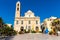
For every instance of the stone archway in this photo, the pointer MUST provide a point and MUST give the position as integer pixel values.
(22, 28)
(37, 29)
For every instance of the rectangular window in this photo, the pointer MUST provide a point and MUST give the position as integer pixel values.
(36, 22)
(16, 22)
(21, 22)
(29, 22)
(29, 27)
(26, 26)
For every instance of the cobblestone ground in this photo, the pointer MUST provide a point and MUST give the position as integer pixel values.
(34, 37)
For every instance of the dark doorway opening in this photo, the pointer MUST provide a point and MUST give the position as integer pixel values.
(37, 29)
(22, 28)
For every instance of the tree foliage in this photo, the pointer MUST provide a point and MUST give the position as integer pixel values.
(56, 23)
(5, 30)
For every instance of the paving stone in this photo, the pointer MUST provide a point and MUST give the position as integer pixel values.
(32, 36)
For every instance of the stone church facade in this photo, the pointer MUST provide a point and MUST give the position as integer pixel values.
(28, 22)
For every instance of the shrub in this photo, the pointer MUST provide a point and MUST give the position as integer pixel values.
(40, 31)
(50, 33)
(21, 32)
(7, 31)
(33, 31)
(27, 31)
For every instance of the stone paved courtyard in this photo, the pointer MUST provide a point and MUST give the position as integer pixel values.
(34, 37)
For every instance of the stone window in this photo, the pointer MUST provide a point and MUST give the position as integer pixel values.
(36, 22)
(26, 26)
(29, 27)
(16, 22)
(29, 15)
(29, 22)
(22, 22)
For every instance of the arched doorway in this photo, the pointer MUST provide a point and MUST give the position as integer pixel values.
(37, 29)
(22, 28)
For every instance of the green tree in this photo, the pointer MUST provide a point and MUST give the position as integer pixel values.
(5, 30)
(8, 31)
(56, 23)
(1, 22)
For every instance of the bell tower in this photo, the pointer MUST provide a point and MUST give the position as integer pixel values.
(17, 13)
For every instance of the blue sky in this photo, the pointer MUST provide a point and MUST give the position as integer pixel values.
(42, 8)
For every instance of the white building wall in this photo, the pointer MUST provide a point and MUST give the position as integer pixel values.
(29, 15)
